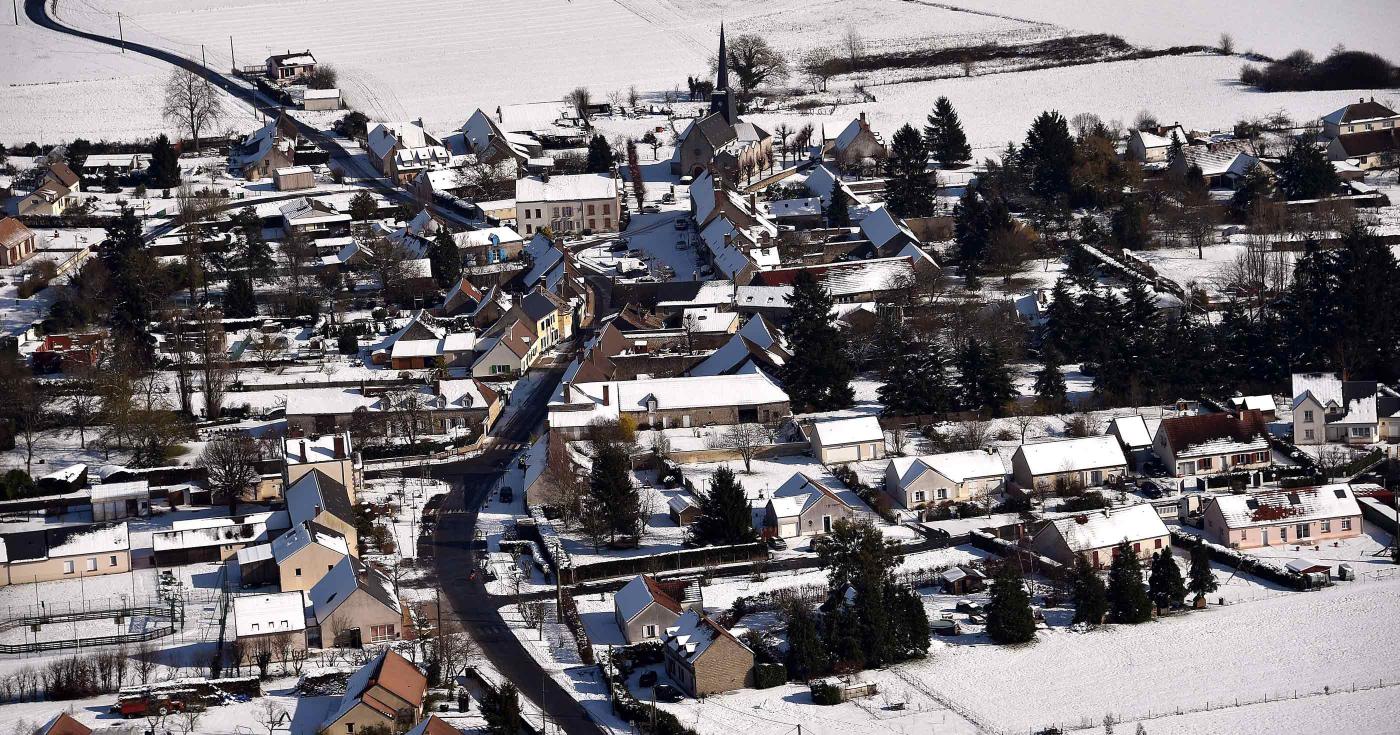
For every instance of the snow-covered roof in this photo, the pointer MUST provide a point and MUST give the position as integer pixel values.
(565, 188)
(836, 432)
(881, 227)
(93, 540)
(348, 575)
(1104, 528)
(956, 466)
(315, 492)
(305, 534)
(193, 533)
(799, 493)
(484, 237)
(1131, 431)
(805, 207)
(708, 319)
(763, 296)
(254, 554)
(329, 93)
(847, 135)
(1294, 505)
(315, 448)
(114, 491)
(584, 401)
(637, 595)
(702, 194)
(821, 182)
(754, 335)
(279, 612)
(1072, 455)
(694, 633)
(384, 136)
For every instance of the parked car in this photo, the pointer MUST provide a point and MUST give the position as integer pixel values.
(668, 198)
(667, 693)
(1149, 490)
(777, 543)
(507, 495)
(651, 209)
(969, 607)
(648, 679)
(142, 704)
(682, 223)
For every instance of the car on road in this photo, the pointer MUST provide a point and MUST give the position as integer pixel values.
(648, 679)
(682, 223)
(651, 209)
(667, 693)
(507, 495)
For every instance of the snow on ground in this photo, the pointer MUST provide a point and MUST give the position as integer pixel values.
(408, 495)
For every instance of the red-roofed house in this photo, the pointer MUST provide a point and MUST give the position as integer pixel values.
(63, 724)
(386, 691)
(646, 607)
(17, 242)
(1213, 443)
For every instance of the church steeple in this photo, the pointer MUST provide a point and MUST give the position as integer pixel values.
(722, 100)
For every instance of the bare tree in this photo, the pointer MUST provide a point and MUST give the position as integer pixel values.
(29, 412)
(854, 46)
(1226, 44)
(388, 260)
(818, 66)
(1025, 418)
(746, 440)
(231, 463)
(191, 103)
(187, 721)
(270, 715)
(580, 100)
(754, 62)
(781, 135)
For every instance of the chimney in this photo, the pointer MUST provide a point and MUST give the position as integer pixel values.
(303, 450)
(862, 117)
(753, 201)
(339, 446)
(1363, 99)
(728, 238)
(316, 511)
(607, 394)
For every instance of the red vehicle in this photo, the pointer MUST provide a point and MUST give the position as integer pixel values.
(140, 705)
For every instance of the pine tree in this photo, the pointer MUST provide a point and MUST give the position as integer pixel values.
(944, 135)
(911, 626)
(1129, 224)
(1305, 173)
(600, 156)
(969, 230)
(240, 302)
(445, 259)
(1256, 186)
(363, 207)
(807, 656)
(164, 170)
(1048, 154)
(1051, 395)
(910, 190)
(838, 213)
(1165, 585)
(931, 389)
(501, 710)
(255, 254)
(1202, 576)
(130, 284)
(984, 377)
(1128, 601)
(1009, 618)
(726, 517)
(611, 493)
(861, 562)
(1087, 590)
(634, 172)
(1063, 332)
(818, 377)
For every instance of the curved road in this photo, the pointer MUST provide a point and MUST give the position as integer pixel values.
(37, 11)
(474, 478)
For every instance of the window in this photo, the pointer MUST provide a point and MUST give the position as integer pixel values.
(1346, 524)
(607, 208)
(607, 223)
(1360, 431)
(1307, 417)
(529, 229)
(92, 564)
(1205, 464)
(1326, 527)
(919, 496)
(379, 633)
(1303, 530)
(349, 727)
(592, 224)
(590, 209)
(942, 493)
(1283, 534)
(1157, 544)
(1137, 548)
(1307, 433)
(649, 631)
(112, 560)
(298, 572)
(68, 567)
(256, 628)
(826, 524)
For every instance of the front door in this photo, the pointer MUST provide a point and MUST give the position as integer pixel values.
(1264, 535)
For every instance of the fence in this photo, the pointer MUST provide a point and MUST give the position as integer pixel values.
(672, 561)
(35, 618)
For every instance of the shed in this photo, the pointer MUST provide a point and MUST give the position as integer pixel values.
(321, 99)
(848, 440)
(116, 500)
(256, 566)
(683, 510)
(294, 178)
(961, 579)
(1309, 566)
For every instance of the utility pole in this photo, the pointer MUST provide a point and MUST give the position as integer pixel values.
(233, 60)
(120, 36)
(15, 4)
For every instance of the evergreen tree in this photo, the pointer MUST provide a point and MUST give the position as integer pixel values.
(909, 191)
(944, 135)
(1063, 332)
(1255, 187)
(1048, 155)
(1165, 585)
(838, 213)
(130, 271)
(861, 587)
(240, 302)
(1009, 618)
(445, 259)
(726, 517)
(612, 496)
(600, 156)
(1305, 173)
(1128, 600)
(818, 377)
(911, 622)
(501, 710)
(164, 170)
(1201, 577)
(931, 389)
(1129, 224)
(984, 377)
(807, 655)
(255, 254)
(970, 230)
(1051, 394)
(363, 207)
(1087, 590)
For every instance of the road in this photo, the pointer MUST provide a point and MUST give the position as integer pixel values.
(37, 11)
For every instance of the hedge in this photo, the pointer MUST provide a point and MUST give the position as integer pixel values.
(766, 676)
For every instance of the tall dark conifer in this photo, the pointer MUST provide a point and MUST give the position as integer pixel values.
(909, 191)
(818, 378)
(726, 516)
(1128, 601)
(1009, 618)
(944, 135)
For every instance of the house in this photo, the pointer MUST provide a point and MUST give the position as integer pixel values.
(314, 218)
(1055, 465)
(63, 724)
(320, 100)
(548, 317)
(803, 213)
(426, 342)
(568, 204)
(1287, 516)
(272, 623)
(1153, 145)
(50, 199)
(847, 440)
(645, 607)
(68, 552)
(489, 245)
(196, 540)
(17, 242)
(265, 150)
(505, 353)
(355, 605)
(290, 66)
(874, 279)
(386, 140)
(855, 147)
(756, 346)
(387, 692)
(822, 182)
(1096, 534)
(316, 496)
(1364, 133)
(330, 453)
(1264, 404)
(704, 658)
(1134, 437)
(64, 352)
(961, 580)
(803, 507)
(925, 481)
(682, 510)
(724, 400)
(293, 178)
(113, 501)
(305, 554)
(491, 145)
(1213, 444)
(1222, 168)
(118, 164)
(1329, 409)
(887, 233)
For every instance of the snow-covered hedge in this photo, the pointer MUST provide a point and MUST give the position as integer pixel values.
(1276, 573)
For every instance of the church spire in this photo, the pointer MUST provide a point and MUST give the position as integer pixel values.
(722, 79)
(722, 99)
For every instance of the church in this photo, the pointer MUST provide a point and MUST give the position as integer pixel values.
(720, 137)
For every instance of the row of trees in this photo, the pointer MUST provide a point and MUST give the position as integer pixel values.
(920, 378)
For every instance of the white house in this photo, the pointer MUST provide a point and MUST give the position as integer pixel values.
(1329, 409)
(804, 507)
(1086, 462)
(1094, 535)
(916, 482)
(847, 440)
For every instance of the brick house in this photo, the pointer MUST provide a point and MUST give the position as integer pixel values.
(1287, 516)
(704, 658)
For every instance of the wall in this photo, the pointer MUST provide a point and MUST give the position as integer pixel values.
(48, 570)
(314, 561)
(725, 666)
